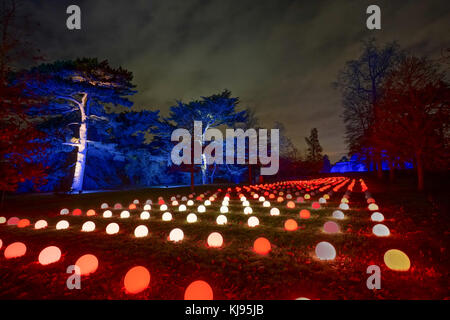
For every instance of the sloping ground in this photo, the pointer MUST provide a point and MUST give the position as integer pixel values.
(235, 271)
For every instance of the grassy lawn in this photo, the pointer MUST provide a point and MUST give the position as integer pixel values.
(235, 271)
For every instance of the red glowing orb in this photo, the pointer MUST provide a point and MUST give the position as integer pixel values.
(23, 223)
(305, 214)
(198, 290)
(290, 225)
(76, 212)
(88, 264)
(15, 250)
(262, 246)
(316, 205)
(136, 280)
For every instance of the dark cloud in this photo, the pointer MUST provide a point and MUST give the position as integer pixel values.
(279, 57)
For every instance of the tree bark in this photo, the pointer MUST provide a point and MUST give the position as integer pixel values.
(80, 165)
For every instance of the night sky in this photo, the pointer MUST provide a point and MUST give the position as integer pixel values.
(279, 57)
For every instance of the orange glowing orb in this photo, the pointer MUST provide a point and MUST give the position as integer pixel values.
(280, 199)
(90, 212)
(136, 280)
(198, 290)
(291, 204)
(132, 206)
(1, 243)
(397, 260)
(215, 240)
(305, 214)
(49, 255)
(88, 264)
(262, 246)
(290, 225)
(15, 250)
(23, 223)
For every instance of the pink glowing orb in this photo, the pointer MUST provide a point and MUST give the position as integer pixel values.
(330, 227)
(198, 290)
(325, 251)
(49, 255)
(15, 250)
(13, 221)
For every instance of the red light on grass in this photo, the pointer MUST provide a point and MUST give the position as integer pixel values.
(198, 290)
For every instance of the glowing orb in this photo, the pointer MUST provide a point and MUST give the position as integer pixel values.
(107, 214)
(377, 217)
(136, 280)
(304, 214)
(150, 202)
(255, 196)
(242, 198)
(325, 251)
(132, 206)
(280, 199)
(1, 243)
(23, 223)
(397, 260)
(190, 203)
(289, 196)
(13, 221)
(141, 231)
(49, 255)
(167, 216)
(104, 206)
(184, 198)
(61, 225)
(307, 197)
(215, 240)
(147, 207)
(201, 209)
(274, 212)
(88, 226)
(145, 215)
(90, 213)
(315, 205)
(117, 206)
(176, 235)
(290, 204)
(344, 206)
(380, 230)
(262, 246)
(337, 214)
(88, 264)
(125, 214)
(64, 211)
(174, 203)
(302, 298)
(326, 197)
(266, 204)
(163, 207)
(135, 201)
(15, 250)
(2, 220)
(373, 207)
(290, 225)
(223, 209)
(261, 199)
(221, 220)
(112, 228)
(191, 218)
(322, 200)
(248, 210)
(246, 203)
(330, 227)
(77, 212)
(253, 222)
(207, 203)
(198, 290)
(41, 224)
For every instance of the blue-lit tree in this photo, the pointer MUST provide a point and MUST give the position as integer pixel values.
(78, 92)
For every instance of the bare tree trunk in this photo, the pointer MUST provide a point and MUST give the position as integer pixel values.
(80, 165)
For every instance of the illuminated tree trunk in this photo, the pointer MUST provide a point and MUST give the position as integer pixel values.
(80, 165)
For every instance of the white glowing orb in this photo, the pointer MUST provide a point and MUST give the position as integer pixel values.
(215, 240)
(125, 214)
(135, 201)
(274, 212)
(322, 200)
(253, 222)
(2, 220)
(221, 220)
(289, 196)
(190, 203)
(64, 211)
(141, 231)
(163, 207)
(41, 224)
(337, 214)
(248, 210)
(112, 228)
(61, 225)
(107, 214)
(325, 251)
(246, 203)
(227, 198)
(145, 215)
(147, 207)
(150, 202)
(174, 203)
(88, 226)
(344, 206)
(380, 230)
(191, 218)
(104, 206)
(173, 198)
(373, 207)
(176, 235)
(377, 217)
(167, 216)
(225, 203)
(255, 196)
(261, 199)
(184, 198)
(266, 204)
(223, 209)
(243, 199)
(207, 203)
(201, 209)
(182, 208)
